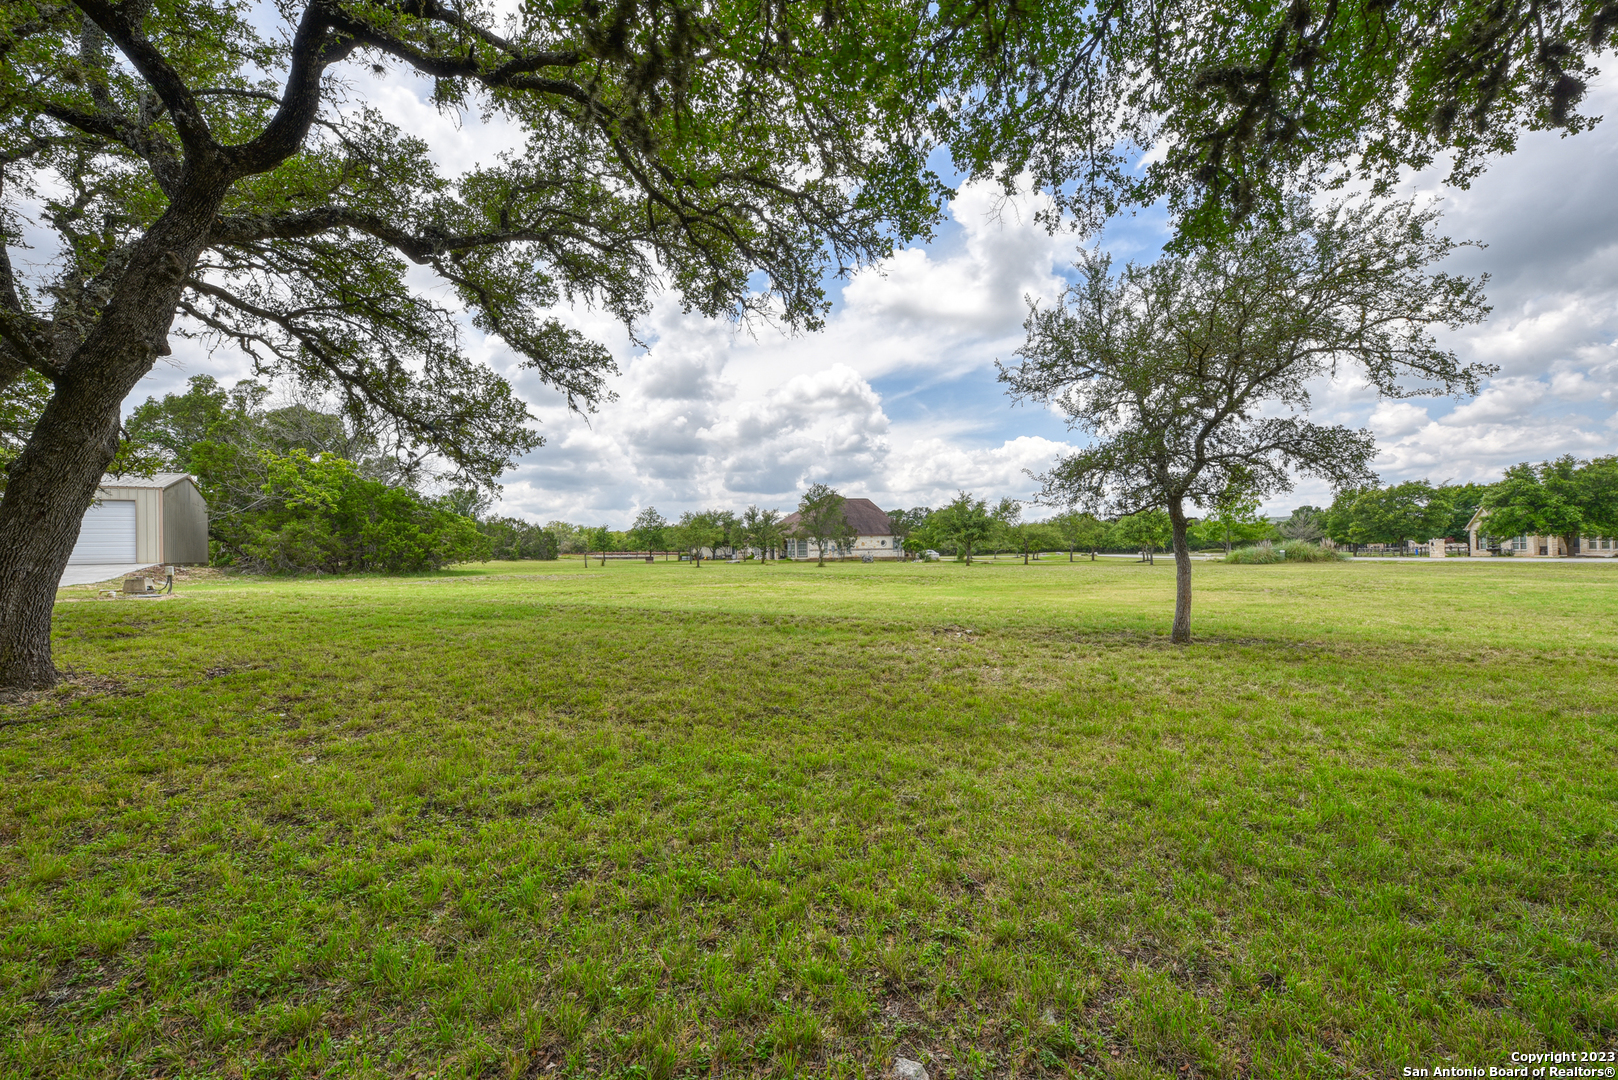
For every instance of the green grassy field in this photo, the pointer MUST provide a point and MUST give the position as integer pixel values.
(657, 821)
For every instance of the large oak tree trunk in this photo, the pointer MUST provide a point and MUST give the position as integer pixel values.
(54, 480)
(1181, 634)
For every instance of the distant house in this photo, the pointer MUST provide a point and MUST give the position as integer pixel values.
(873, 534)
(1532, 547)
(138, 521)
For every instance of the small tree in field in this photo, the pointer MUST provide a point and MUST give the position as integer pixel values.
(697, 531)
(730, 530)
(600, 539)
(1013, 529)
(648, 530)
(1145, 531)
(966, 523)
(1080, 532)
(821, 519)
(760, 529)
(1190, 373)
(769, 533)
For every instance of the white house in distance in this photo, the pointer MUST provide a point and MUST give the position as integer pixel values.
(136, 521)
(873, 534)
(1533, 547)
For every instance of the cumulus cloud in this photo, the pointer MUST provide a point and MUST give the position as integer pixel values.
(896, 399)
(711, 414)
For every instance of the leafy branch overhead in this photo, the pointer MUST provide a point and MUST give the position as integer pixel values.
(1220, 109)
(666, 145)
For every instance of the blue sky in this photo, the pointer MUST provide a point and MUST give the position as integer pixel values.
(896, 400)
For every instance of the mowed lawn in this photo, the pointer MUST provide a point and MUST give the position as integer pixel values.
(661, 821)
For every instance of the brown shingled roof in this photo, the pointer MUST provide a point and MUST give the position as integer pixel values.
(864, 516)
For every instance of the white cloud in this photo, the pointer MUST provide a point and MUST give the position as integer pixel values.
(1503, 400)
(895, 399)
(1391, 419)
(709, 415)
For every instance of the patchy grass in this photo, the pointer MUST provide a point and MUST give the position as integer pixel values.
(657, 821)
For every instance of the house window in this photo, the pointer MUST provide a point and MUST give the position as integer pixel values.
(882, 543)
(1520, 544)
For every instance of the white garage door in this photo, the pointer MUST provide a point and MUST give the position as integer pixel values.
(108, 534)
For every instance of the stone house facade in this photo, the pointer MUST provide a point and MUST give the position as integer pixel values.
(1533, 547)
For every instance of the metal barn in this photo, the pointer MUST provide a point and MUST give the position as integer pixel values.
(144, 522)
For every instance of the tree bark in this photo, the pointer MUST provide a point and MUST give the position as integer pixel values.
(53, 481)
(1181, 634)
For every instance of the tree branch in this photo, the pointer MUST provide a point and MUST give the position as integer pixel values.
(156, 151)
(121, 23)
(418, 249)
(313, 50)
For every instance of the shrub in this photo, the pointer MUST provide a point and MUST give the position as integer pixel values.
(1291, 551)
(320, 515)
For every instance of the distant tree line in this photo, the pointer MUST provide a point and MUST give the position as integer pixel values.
(295, 488)
(1566, 498)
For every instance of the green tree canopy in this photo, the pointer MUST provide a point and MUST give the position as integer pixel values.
(1220, 109)
(1191, 374)
(761, 529)
(1464, 500)
(322, 515)
(228, 437)
(1413, 510)
(512, 538)
(221, 171)
(649, 529)
(1305, 523)
(1233, 514)
(699, 531)
(904, 523)
(822, 521)
(965, 523)
(1565, 498)
(1080, 531)
(1145, 531)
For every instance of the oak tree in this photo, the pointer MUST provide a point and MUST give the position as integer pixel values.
(1220, 110)
(206, 176)
(965, 523)
(1192, 374)
(822, 520)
